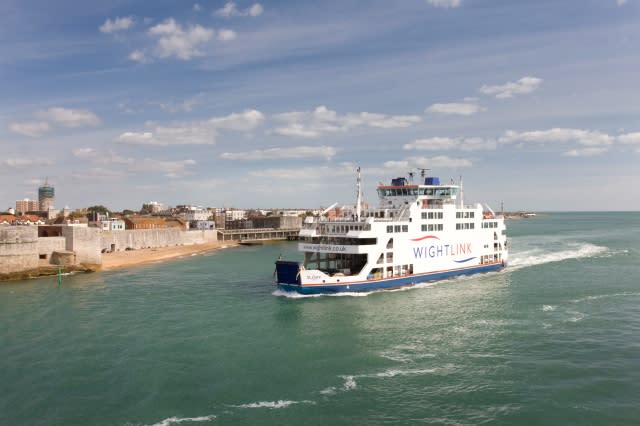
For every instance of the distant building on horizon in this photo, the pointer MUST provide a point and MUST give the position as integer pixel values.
(27, 205)
(46, 197)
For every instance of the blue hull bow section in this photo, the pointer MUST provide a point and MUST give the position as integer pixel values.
(288, 272)
(293, 283)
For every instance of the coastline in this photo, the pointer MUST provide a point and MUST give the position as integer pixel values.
(123, 259)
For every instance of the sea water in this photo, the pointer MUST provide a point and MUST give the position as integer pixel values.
(553, 339)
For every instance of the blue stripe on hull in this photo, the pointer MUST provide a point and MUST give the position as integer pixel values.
(386, 284)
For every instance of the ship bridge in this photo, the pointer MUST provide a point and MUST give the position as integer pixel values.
(432, 194)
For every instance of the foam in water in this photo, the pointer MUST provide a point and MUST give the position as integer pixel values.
(546, 308)
(604, 296)
(539, 256)
(272, 405)
(175, 420)
(410, 372)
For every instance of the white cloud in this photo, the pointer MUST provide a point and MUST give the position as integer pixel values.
(446, 143)
(323, 120)
(509, 89)
(582, 137)
(326, 152)
(445, 3)
(398, 165)
(188, 134)
(432, 144)
(230, 9)
(141, 138)
(182, 43)
(30, 128)
(117, 24)
(193, 133)
(630, 138)
(68, 117)
(19, 163)
(257, 9)
(243, 121)
(54, 117)
(226, 35)
(305, 173)
(84, 152)
(138, 56)
(184, 106)
(585, 152)
(468, 107)
(197, 7)
(132, 165)
(441, 161)
(169, 168)
(621, 2)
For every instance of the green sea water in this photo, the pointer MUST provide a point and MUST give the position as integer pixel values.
(553, 339)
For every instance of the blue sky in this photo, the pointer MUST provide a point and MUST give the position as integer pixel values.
(275, 103)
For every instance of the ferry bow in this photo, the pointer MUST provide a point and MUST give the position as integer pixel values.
(418, 233)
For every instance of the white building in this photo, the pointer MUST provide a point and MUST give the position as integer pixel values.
(235, 215)
(196, 214)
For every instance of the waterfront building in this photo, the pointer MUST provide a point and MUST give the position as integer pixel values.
(27, 205)
(231, 215)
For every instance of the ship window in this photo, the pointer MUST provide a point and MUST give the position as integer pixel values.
(424, 228)
(396, 228)
(429, 191)
(405, 228)
(471, 214)
(389, 228)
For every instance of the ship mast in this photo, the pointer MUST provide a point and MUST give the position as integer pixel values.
(359, 195)
(461, 194)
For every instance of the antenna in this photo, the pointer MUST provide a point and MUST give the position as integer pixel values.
(461, 194)
(359, 195)
(422, 171)
(411, 177)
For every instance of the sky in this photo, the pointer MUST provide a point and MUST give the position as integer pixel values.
(274, 104)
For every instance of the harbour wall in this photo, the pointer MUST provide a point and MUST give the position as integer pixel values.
(111, 241)
(18, 249)
(46, 246)
(23, 254)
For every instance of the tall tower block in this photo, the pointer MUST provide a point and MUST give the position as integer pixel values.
(46, 196)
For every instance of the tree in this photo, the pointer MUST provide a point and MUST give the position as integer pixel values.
(96, 209)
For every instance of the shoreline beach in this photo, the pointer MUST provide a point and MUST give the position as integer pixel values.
(123, 259)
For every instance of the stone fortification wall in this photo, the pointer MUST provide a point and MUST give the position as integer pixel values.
(145, 238)
(18, 248)
(85, 242)
(47, 245)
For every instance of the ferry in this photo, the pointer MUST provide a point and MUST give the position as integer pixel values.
(419, 232)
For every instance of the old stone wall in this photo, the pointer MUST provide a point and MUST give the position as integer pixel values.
(145, 238)
(47, 245)
(18, 248)
(85, 242)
